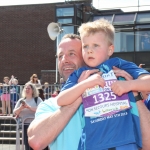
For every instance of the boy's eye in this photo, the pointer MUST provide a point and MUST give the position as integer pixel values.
(95, 45)
(85, 46)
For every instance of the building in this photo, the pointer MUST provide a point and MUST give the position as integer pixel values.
(26, 48)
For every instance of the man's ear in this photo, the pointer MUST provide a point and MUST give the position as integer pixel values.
(111, 50)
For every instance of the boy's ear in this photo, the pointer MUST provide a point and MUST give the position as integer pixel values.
(111, 50)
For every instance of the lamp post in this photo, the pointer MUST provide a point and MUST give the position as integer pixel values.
(54, 29)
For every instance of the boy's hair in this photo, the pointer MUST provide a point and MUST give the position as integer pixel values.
(100, 25)
(6, 78)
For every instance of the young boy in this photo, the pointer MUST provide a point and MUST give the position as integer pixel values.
(111, 122)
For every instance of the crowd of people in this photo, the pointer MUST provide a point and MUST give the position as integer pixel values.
(11, 91)
(104, 103)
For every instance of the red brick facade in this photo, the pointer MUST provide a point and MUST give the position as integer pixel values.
(25, 47)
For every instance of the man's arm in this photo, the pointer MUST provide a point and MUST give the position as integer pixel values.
(44, 131)
(144, 115)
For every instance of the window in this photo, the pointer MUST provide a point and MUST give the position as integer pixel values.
(66, 30)
(65, 20)
(142, 40)
(124, 42)
(124, 18)
(64, 12)
(143, 17)
(79, 14)
(109, 18)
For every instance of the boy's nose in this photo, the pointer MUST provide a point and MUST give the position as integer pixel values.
(90, 50)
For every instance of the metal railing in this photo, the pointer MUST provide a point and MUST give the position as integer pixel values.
(14, 93)
(9, 126)
(9, 133)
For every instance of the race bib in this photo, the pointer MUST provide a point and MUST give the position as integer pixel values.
(99, 101)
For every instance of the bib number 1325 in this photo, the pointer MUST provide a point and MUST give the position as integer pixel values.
(104, 96)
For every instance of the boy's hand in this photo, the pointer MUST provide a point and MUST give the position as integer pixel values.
(95, 79)
(85, 74)
(120, 87)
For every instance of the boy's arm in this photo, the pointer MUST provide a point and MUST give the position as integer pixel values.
(76, 91)
(140, 84)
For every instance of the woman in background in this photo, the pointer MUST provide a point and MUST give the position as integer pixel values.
(26, 107)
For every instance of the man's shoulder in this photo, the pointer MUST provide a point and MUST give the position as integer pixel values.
(49, 104)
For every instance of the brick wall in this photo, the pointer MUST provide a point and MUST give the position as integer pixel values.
(25, 47)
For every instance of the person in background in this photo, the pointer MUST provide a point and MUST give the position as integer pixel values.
(34, 80)
(14, 91)
(55, 93)
(26, 107)
(141, 65)
(5, 97)
(145, 42)
(47, 90)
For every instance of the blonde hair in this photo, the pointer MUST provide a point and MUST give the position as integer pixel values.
(6, 78)
(100, 25)
(34, 89)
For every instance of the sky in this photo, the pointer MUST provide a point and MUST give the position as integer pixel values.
(99, 4)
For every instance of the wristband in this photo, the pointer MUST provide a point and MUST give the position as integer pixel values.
(138, 97)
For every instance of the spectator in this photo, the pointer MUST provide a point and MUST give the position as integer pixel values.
(14, 90)
(5, 97)
(26, 107)
(34, 80)
(47, 90)
(141, 65)
(145, 41)
(55, 93)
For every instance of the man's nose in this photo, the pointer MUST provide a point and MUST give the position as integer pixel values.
(65, 59)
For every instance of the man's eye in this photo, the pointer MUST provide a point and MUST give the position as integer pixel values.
(60, 56)
(71, 54)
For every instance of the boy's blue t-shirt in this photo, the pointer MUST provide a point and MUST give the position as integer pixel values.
(113, 131)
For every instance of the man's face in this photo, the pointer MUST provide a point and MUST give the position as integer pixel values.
(69, 57)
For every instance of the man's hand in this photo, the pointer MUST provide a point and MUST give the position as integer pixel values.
(121, 73)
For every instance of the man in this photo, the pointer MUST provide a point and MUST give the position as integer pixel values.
(50, 119)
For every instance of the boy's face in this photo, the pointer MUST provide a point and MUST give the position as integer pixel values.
(95, 49)
(6, 80)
